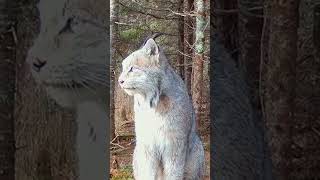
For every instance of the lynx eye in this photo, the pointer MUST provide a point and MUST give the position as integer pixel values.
(67, 27)
(131, 69)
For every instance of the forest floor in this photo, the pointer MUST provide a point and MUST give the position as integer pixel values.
(122, 150)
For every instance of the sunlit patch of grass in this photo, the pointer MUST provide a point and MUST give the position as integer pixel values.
(125, 173)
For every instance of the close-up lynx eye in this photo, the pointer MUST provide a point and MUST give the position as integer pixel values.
(131, 69)
(68, 26)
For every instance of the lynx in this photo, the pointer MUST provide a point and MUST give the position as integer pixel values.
(167, 144)
(239, 150)
(68, 58)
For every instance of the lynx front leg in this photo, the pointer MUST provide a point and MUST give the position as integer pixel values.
(92, 160)
(91, 143)
(174, 161)
(145, 164)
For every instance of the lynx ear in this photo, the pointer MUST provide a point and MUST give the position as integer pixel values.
(151, 48)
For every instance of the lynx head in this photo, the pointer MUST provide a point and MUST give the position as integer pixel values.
(69, 55)
(142, 72)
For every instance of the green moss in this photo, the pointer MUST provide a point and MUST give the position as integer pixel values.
(125, 173)
(131, 34)
(155, 25)
(124, 11)
(199, 48)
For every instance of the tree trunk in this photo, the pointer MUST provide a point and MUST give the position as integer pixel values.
(250, 27)
(197, 66)
(226, 24)
(7, 89)
(122, 103)
(114, 17)
(181, 41)
(306, 139)
(280, 84)
(188, 41)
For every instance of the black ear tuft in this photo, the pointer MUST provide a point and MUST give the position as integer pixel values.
(151, 48)
(154, 36)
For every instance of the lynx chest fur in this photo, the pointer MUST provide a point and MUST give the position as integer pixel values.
(156, 125)
(167, 145)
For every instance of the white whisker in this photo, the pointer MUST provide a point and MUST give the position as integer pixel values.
(93, 80)
(87, 86)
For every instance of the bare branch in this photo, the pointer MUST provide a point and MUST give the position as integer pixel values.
(235, 11)
(145, 13)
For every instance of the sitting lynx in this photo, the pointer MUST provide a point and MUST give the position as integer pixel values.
(69, 59)
(167, 145)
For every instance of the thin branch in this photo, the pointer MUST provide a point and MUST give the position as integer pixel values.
(14, 34)
(183, 14)
(262, 46)
(114, 139)
(116, 144)
(118, 150)
(150, 8)
(235, 11)
(316, 131)
(187, 55)
(145, 13)
(125, 24)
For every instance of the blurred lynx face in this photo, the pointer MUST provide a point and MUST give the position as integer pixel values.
(69, 55)
(142, 71)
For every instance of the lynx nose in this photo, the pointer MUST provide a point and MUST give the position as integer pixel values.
(38, 64)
